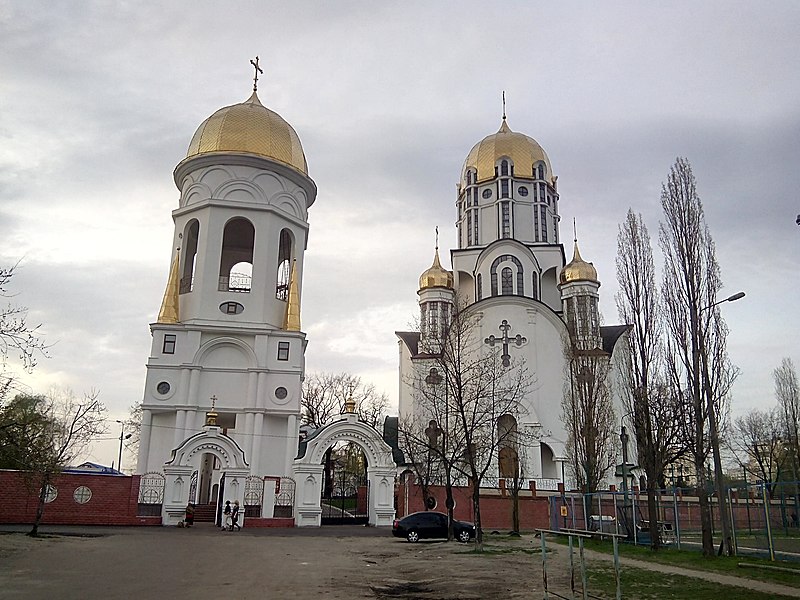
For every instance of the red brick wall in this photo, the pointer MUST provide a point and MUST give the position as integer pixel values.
(114, 501)
(496, 508)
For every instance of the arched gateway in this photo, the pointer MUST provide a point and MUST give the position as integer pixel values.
(308, 471)
(186, 460)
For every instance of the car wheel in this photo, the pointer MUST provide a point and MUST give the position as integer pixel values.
(412, 536)
(463, 536)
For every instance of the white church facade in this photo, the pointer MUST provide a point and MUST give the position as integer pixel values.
(511, 278)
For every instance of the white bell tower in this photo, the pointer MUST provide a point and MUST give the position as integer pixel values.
(229, 325)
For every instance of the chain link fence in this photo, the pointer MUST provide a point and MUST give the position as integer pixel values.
(764, 518)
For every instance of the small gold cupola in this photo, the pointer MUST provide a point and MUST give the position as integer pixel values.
(578, 269)
(436, 275)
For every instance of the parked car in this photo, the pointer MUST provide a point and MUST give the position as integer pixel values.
(427, 524)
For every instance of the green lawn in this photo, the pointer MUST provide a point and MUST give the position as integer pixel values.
(647, 585)
(691, 559)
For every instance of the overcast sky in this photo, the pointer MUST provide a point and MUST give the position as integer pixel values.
(99, 100)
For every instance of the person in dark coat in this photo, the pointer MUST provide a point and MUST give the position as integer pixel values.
(235, 516)
(226, 518)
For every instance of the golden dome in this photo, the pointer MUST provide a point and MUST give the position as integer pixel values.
(523, 151)
(436, 276)
(578, 269)
(252, 128)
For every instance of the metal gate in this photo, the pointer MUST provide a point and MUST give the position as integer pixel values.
(151, 494)
(348, 503)
(253, 496)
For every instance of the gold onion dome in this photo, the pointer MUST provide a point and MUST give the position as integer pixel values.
(523, 151)
(578, 269)
(436, 276)
(251, 128)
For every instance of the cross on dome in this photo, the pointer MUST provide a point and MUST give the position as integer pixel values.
(257, 71)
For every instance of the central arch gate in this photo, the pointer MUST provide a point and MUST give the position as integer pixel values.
(309, 473)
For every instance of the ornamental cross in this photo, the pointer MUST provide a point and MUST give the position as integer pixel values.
(213, 401)
(432, 432)
(517, 340)
(258, 70)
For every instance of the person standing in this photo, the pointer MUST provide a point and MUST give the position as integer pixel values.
(189, 514)
(226, 518)
(235, 516)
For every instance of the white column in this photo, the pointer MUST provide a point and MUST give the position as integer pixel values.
(194, 385)
(183, 396)
(252, 389)
(247, 441)
(145, 431)
(291, 443)
(261, 392)
(536, 462)
(190, 426)
(258, 432)
(180, 424)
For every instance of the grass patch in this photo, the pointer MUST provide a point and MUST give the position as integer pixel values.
(688, 559)
(647, 585)
(489, 550)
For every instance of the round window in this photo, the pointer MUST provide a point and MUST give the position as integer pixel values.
(231, 308)
(82, 494)
(50, 494)
(281, 393)
(523, 191)
(487, 193)
(163, 388)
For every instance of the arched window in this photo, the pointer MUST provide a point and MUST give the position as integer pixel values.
(507, 281)
(236, 261)
(479, 287)
(189, 247)
(507, 443)
(284, 266)
(504, 168)
(535, 290)
(540, 170)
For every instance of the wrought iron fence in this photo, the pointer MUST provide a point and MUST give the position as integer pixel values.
(151, 494)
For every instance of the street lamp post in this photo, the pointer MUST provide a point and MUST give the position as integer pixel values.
(122, 437)
(714, 435)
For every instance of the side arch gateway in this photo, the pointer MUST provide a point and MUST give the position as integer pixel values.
(185, 460)
(308, 471)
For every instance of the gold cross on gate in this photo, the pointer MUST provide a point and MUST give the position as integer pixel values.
(213, 401)
(258, 70)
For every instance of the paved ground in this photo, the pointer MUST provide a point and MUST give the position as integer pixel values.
(330, 562)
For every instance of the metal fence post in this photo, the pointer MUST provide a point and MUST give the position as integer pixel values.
(766, 515)
(677, 517)
(617, 575)
(733, 524)
(571, 569)
(584, 581)
(544, 566)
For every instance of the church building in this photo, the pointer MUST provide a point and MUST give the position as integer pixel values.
(221, 405)
(510, 275)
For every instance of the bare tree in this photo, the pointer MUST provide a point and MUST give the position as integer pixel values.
(479, 388)
(588, 415)
(654, 409)
(18, 338)
(133, 425)
(53, 430)
(697, 361)
(325, 394)
(757, 443)
(787, 392)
